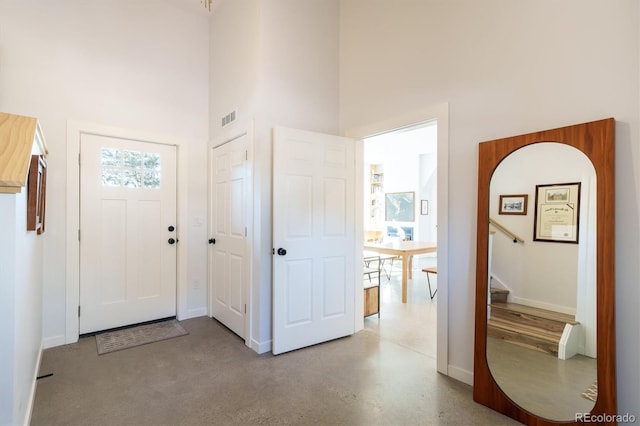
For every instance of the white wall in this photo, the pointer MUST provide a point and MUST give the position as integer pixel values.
(299, 64)
(275, 61)
(28, 312)
(505, 68)
(140, 65)
(20, 308)
(8, 308)
(234, 50)
(428, 191)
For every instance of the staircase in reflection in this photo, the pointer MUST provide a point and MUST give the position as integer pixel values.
(526, 326)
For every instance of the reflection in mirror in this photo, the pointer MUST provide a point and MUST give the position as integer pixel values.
(541, 314)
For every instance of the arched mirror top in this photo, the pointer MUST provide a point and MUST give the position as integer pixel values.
(595, 140)
(544, 155)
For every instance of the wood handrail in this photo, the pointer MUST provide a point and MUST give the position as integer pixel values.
(503, 229)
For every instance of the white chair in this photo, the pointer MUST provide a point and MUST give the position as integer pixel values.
(372, 266)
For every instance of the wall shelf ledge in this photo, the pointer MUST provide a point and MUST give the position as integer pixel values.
(18, 134)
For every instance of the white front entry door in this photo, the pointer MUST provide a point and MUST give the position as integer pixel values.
(313, 236)
(228, 259)
(127, 232)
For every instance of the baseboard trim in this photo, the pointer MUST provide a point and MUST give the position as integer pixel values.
(193, 313)
(460, 374)
(543, 305)
(260, 347)
(52, 342)
(32, 392)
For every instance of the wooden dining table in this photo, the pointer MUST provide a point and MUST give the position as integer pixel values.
(405, 250)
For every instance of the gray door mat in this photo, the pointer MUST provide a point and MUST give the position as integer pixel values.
(117, 340)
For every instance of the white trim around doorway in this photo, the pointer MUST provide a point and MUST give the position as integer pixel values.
(439, 113)
(75, 130)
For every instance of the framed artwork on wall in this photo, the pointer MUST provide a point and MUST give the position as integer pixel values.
(424, 207)
(36, 194)
(399, 206)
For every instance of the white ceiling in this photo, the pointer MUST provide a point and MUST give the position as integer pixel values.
(413, 141)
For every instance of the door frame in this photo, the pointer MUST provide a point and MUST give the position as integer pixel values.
(75, 130)
(440, 114)
(243, 130)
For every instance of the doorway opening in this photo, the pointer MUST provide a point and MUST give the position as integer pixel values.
(401, 207)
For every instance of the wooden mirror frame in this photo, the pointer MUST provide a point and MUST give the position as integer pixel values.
(596, 140)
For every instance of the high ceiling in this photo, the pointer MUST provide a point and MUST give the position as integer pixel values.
(406, 142)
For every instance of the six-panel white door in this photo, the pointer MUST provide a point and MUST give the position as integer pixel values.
(127, 206)
(313, 236)
(228, 274)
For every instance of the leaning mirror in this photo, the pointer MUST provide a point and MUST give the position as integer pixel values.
(545, 342)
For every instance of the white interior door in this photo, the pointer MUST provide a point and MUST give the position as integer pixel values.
(127, 232)
(228, 257)
(313, 236)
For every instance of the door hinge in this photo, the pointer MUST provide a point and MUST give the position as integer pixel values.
(246, 155)
(245, 308)
(245, 231)
(78, 159)
(78, 311)
(78, 235)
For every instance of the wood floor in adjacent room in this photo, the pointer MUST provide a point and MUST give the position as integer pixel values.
(382, 375)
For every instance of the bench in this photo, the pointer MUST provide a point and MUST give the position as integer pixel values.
(432, 270)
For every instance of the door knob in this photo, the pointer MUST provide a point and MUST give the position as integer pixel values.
(212, 240)
(171, 241)
(282, 251)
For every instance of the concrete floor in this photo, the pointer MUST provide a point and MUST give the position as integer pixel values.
(383, 375)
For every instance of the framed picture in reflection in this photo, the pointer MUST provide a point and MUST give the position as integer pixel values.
(513, 204)
(557, 213)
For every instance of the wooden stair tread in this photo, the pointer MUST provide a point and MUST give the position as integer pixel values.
(524, 340)
(499, 295)
(526, 326)
(523, 329)
(536, 312)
